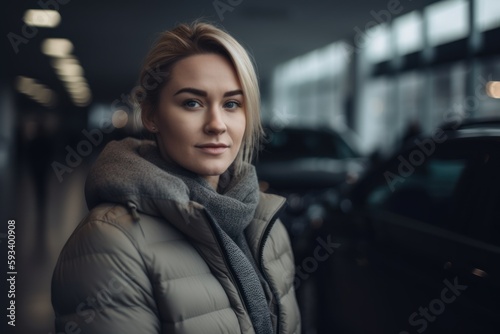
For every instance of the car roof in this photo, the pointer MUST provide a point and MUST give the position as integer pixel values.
(485, 127)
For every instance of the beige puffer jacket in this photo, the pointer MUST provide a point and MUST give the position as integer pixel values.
(127, 272)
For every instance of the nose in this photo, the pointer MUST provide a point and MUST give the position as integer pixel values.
(215, 122)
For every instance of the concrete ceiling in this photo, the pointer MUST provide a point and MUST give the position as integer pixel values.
(112, 37)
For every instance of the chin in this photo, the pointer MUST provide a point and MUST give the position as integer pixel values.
(211, 169)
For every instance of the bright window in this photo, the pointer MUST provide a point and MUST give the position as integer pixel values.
(408, 33)
(378, 43)
(310, 89)
(487, 14)
(447, 21)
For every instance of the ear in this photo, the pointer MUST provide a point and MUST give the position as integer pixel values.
(148, 119)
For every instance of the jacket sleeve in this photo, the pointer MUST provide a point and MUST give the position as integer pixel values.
(101, 285)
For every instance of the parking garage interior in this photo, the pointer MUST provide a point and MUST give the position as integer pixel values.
(362, 102)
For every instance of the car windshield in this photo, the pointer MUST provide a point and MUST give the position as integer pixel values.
(294, 144)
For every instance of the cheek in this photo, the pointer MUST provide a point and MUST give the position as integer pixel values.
(173, 135)
(239, 128)
(173, 126)
(177, 136)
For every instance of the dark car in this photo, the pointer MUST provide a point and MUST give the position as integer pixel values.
(294, 158)
(310, 167)
(419, 239)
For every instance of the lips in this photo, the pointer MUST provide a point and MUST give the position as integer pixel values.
(213, 148)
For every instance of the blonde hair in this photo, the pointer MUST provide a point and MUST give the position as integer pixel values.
(201, 38)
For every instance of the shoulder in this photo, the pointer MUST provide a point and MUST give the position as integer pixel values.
(106, 227)
(105, 241)
(111, 228)
(106, 245)
(102, 264)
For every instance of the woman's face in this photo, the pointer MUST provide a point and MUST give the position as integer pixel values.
(200, 119)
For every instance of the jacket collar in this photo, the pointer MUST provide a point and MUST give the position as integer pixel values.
(265, 215)
(123, 175)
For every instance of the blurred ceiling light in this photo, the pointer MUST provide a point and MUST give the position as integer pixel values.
(71, 73)
(67, 67)
(81, 103)
(43, 95)
(82, 96)
(36, 91)
(71, 78)
(79, 89)
(23, 84)
(70, 70)
(73, 86)
(63, 61)
(42, 18)
(493, 89)
(57, 47)
(479, 273)
(119, 119)
(79, 97)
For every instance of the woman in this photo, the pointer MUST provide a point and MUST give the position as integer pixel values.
(179, 239)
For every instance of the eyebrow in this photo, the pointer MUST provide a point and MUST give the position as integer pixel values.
(203, 93)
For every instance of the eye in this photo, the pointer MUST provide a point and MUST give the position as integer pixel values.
(232, 105)
(191, 104)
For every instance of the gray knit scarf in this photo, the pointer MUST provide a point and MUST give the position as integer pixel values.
(230, 209)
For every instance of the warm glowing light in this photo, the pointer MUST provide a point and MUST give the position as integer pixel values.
(119, 119)
(76, 86)
(71, 78)
(479, 273)
(57, 47)
(81, 102)
(61, 62)
(67, 67)
(42, 18)
(23, 84)
(263, 186)
(71, 70)
(43, 95)
(81, 95)
(36, 91)
(493, 89)
(71, 73)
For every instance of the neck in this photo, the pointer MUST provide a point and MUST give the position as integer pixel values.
(213, 180)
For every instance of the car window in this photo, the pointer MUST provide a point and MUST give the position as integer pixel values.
(344, 151)
(425, 195)
(287, 145)
(457, 188)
